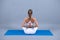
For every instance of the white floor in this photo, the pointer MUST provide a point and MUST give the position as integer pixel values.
(55, 29)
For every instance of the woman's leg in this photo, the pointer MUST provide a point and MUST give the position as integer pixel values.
(26, 30)
(33, 30)
(30, 30)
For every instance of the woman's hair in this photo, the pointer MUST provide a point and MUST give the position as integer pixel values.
(30, 10)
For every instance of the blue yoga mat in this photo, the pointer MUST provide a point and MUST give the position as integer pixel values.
(21, 32)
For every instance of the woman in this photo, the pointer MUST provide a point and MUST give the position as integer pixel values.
(30, 24)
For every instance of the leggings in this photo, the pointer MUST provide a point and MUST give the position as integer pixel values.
(30, 30)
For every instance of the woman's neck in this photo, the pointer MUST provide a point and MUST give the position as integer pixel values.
(29, 18)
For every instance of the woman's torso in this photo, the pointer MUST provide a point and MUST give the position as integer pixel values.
(30, 22)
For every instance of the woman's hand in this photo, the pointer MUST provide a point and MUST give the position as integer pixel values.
(29, 26)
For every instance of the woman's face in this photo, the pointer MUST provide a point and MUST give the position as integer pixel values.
(30, 14)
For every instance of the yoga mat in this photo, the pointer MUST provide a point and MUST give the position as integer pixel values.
(21, 32)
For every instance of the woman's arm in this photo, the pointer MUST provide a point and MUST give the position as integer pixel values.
(23, 22)
(36, 22)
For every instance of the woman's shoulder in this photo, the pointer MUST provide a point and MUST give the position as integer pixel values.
(34, 18)
(25, 18)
